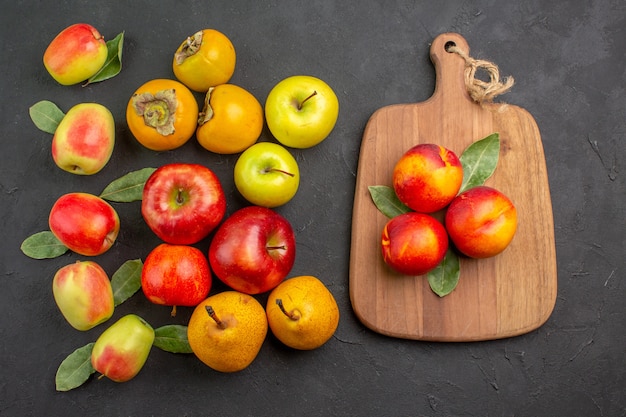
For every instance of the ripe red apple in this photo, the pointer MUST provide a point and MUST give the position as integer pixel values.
(176, 275)
(481, 222)
(84, 140)
(253, 250)
(75, 54)
(183, 203)
(427, 177)
(414, 243)
(82, 291)
(85, 223)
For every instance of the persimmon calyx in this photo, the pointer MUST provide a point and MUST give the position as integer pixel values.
(191, 45)
(207, 111)
(158, 110)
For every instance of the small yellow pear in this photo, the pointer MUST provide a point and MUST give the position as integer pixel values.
(302, 313)
(226, 331)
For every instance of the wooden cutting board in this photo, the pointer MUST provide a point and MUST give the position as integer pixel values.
(507, 295)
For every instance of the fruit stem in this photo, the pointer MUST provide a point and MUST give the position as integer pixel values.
(212, 314)
(281, 171)
(305, 100)
(173, 313)
(292, 316)
(282, 247)
(179, 197)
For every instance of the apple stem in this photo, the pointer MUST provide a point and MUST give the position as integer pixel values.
(282, 247)
(305, 100)
(179, 197)
(173, 313)
(279, 302)
(281, 171)
(212, 314)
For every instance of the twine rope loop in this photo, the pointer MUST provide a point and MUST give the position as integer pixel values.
(481, 91)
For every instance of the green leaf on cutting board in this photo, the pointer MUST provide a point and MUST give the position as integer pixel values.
(479, 161)
(445, 277)
(126, 281)
(172, 338)
(113, 64)
(43, 245)
(387, 201)
(75, 369)
(46, 115)
(127, 188)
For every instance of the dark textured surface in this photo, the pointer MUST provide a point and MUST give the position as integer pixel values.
(568, 62)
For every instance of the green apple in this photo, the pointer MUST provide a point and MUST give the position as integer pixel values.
(267, 175)
(301, 111)
(121, 350)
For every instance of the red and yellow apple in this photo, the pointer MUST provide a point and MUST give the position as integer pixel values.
(82, 291)
(253, 250)
(481, 222)
(85, 223)
(176, 275)
(182, 203)
(301, 111)
(75, 54)
(121, 351)
(414, 243)
(84, 139)
(427, 177)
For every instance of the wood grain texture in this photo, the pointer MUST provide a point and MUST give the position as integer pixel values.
(507, 295)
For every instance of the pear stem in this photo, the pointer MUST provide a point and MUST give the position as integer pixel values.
(212, 314)
(279, 302)
(305, 100)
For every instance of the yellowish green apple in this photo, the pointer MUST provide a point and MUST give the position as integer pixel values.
(301, 111)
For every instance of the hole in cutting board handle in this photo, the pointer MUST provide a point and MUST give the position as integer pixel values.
(449, 45)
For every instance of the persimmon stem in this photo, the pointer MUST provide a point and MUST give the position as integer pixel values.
(217, 320)
(279, 302)
(305, 100)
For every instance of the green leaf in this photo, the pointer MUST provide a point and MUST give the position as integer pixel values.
(113, 63)
(479, 161)
(43, 245)
(46, 116)
(172, 338)
(76, 369)
(127, 188)
(387, 201)
(444, 278)
(126, 281)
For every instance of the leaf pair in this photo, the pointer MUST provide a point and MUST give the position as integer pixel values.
(479, 162)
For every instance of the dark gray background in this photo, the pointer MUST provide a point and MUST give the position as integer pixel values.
(568, 61)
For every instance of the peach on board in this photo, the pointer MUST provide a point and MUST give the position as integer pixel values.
(481, 222)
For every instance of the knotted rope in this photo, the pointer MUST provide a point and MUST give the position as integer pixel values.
(480, 91)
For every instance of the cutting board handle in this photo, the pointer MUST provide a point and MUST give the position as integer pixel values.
(449, 68)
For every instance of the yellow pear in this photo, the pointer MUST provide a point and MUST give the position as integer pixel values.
(226, 330)
(302, 313)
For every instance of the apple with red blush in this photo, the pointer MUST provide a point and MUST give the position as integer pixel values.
(84, 139)
(75, 54)
(176, 275)
(253, 250)
(85, 223)
(182, 203)
(82, 291)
